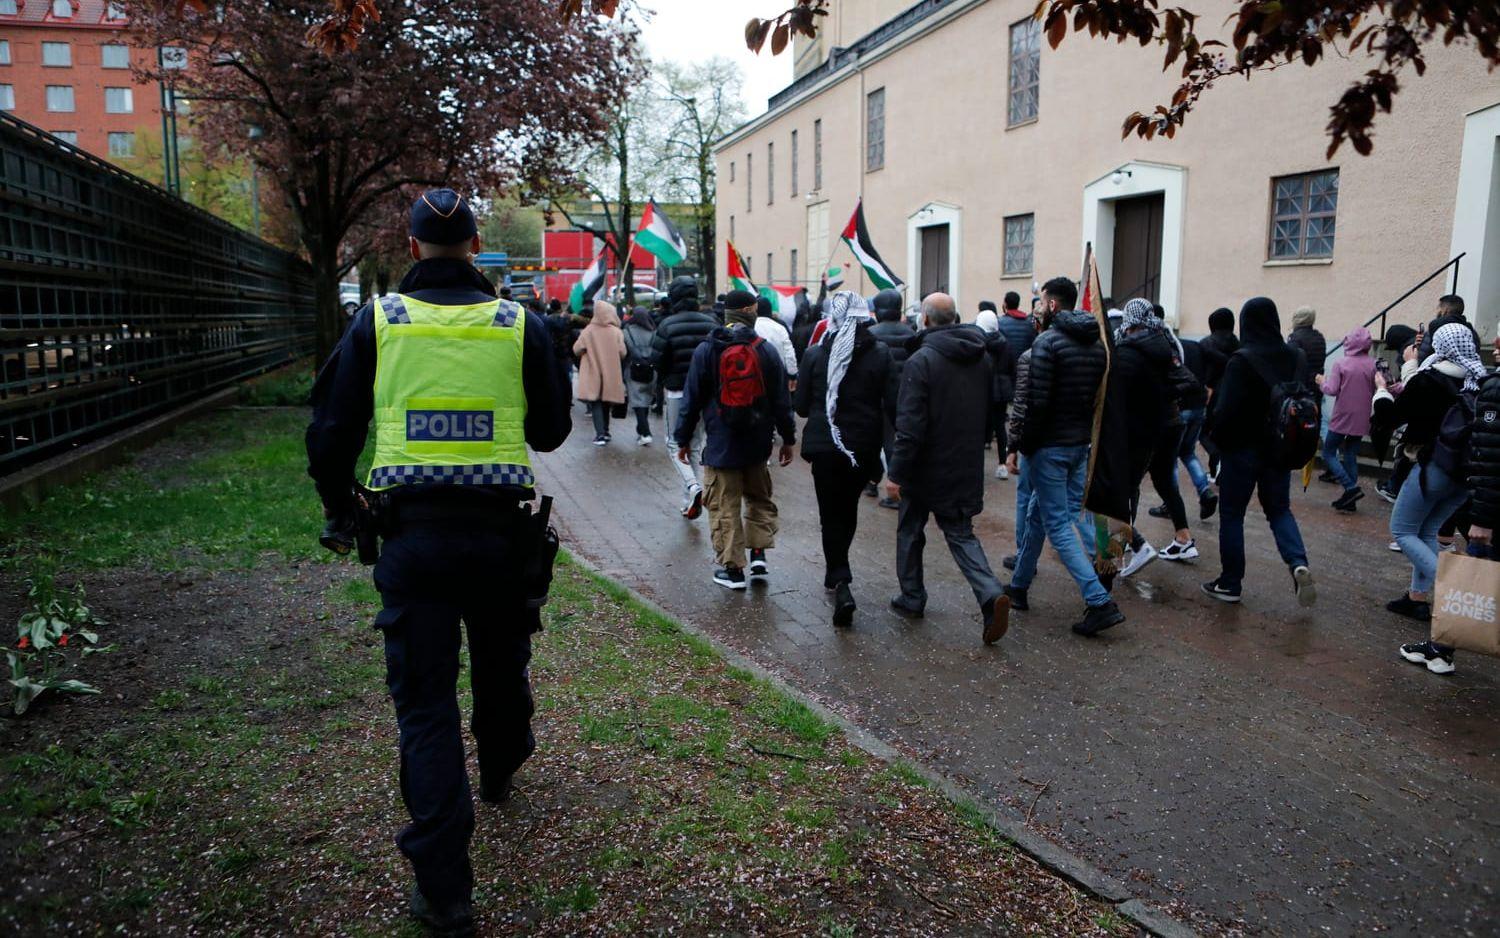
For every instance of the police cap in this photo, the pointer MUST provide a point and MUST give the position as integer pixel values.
(442, 216)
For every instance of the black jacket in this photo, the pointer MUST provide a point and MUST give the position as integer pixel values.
(1003, 363)
(1018, 331)
(1313, 346)
(1152, 385)
(942, 420)
(1223, 343)
(1484, 456)
(1423, 402)
(897, 337)
(1067, 365)
(1205, 362)
(1438, 323)
(867, 399)
(724, 446)
(677, 335)
(344, 394)
(1016, 418)
(1241, 417)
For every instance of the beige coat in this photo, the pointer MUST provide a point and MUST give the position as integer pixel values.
(600, 349)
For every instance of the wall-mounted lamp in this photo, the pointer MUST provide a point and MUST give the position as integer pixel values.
(1119, 176)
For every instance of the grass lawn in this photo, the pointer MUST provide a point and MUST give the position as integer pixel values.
(237, 773)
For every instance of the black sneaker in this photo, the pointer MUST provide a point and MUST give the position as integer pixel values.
(1410, 608)
(1099, 618)
(1208, 503)
(900, 608)
(1017, 596)
(1160, 511)
(996, 615)
(843, 606)
(600, 441)
(1010, 561)
(1346, 502)
(1327, 476)
(1221, 593)
(449, 920)
(758, 566)
(498, 793)
(871, 490)
(1386, 492)
(888, 502)
(730, 577)
(1437, 658)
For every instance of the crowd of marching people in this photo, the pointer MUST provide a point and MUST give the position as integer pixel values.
(1082, 410)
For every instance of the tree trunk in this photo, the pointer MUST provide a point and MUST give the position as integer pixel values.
(330, 314)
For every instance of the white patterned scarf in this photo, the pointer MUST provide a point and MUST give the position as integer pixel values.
(1455, 343)
(846, 310)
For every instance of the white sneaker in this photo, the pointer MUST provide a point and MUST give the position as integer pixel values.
(644, 440)
(1449, 548)
(1393, 547)
(1302, 584)
(1180, 551)
(1138, 559)
(1001, 472)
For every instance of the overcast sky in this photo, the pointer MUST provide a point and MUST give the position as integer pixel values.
(693, 30)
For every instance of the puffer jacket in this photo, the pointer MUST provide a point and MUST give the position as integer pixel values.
(1003, 362)
(867, 399)
(677, 335)
(1018, 331)
(942, 421)
(1484, 456)
(1153, 386)
(1312, 344)
(1067, 365)
(897, 337)
(1016, 419)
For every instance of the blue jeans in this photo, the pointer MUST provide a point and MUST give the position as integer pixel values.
(1427, 499)
(1056, 514)
(1187, 450)
(1023, 501)
(1341, 456)
(1241, 473)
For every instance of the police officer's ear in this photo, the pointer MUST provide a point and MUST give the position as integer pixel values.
(474, 244)
(416, 248)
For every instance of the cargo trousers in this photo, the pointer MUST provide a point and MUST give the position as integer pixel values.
(741, 514)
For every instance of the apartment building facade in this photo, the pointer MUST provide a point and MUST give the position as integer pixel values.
(987, 160)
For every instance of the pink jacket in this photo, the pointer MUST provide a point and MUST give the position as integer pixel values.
(1351, 384)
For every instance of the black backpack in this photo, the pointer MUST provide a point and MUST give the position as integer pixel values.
(1451, 448)
(1295, 418)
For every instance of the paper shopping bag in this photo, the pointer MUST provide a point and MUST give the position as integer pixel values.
(1464, 604)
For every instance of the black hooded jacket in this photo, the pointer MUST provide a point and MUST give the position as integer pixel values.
(678, 333)
(867, 399)
(1067, 365)
(1484, 456)
(1241, 407)
(1153, 385)
(942, 420)
(1221, 339)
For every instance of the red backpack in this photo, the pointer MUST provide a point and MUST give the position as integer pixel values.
(742, 388)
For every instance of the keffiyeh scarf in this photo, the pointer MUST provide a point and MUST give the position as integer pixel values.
(1455, 343)
(846, 310)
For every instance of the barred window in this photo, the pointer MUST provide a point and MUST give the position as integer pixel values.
(1303, 208)
(1025, 71)
(875, 130)
(1020, 233)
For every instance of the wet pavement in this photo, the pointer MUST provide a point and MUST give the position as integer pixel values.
(1262, 766)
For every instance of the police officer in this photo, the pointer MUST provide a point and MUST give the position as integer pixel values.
(459, 383)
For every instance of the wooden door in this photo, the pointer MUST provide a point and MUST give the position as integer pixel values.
(934, 278)
(1137, 260)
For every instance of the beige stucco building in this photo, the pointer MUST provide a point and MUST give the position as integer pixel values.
(986, 161)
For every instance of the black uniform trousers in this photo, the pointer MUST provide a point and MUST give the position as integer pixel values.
(839, 484)
(431, 575)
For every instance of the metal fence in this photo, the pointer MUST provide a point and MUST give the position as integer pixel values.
(118, 300)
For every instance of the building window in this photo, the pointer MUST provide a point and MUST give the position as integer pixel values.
(119, 101)
(114, 56)
(875, 130)
(770, 174)
(796, 272)
(4, 51)
(1025, 70)
(115, 12)
(8, 8)
(749, 183)
(62, 9)
(121, 144)
(60, 99)
(1020, 233)
(1302, 214)
(7, 97)
(57, 54)
(817, 156)
(769, 259)
(66, 136)
(731, 227)
(794, 163)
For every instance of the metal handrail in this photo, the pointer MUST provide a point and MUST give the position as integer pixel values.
(1400, 299)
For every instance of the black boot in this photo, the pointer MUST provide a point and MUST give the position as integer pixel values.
(494, 792)
(451, 919)
(843, 606)
(1099, 618)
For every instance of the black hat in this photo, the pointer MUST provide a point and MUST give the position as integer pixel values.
(739, 299)
(442, 216)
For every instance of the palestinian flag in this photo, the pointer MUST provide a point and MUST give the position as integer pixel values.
(738, 278)
(1109, 484)
(589, 284)
(660, 237)
(783, 302)
(834, 278)
(857, 236)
